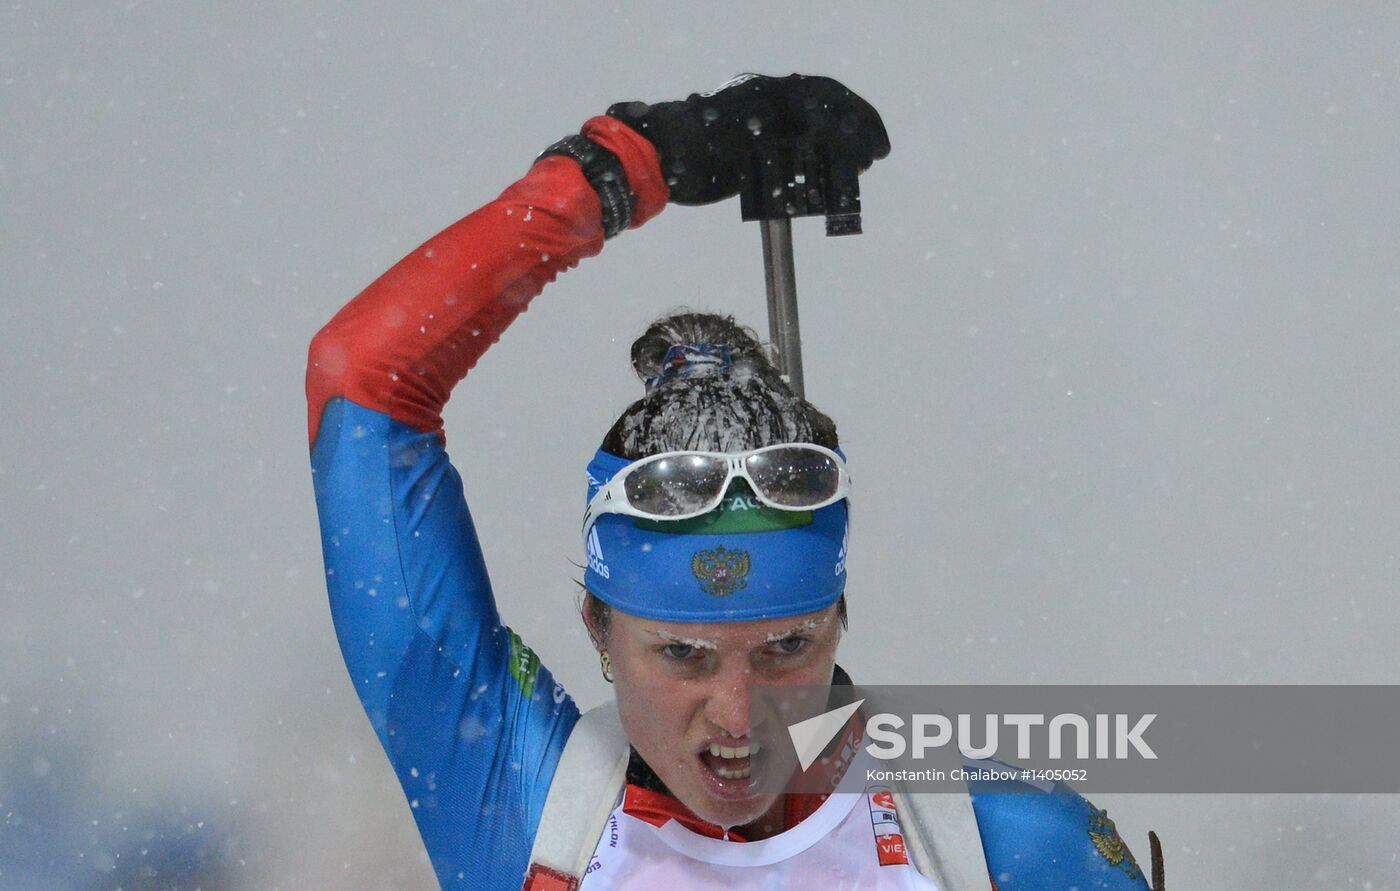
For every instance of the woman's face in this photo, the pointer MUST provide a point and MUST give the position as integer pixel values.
(683, 697)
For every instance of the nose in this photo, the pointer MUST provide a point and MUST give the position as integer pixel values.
(727, 701)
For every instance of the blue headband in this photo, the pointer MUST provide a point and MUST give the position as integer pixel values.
(740, 562)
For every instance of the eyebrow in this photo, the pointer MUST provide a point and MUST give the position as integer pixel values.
(698, 643)
(805, 626)
(703, 644)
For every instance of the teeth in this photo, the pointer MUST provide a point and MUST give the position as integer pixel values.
(727, 774)
(720, 751)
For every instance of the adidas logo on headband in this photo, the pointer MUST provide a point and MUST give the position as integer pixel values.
(595, 554)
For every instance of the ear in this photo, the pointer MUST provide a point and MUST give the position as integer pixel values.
(589, 611)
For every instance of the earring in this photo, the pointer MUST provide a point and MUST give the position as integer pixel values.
(606, 662)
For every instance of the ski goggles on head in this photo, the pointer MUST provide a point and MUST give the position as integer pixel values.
(681, 485)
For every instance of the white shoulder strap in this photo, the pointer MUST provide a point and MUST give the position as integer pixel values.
(587, 785)
(941, 834)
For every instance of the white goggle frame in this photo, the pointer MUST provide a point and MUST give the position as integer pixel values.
(611, 498)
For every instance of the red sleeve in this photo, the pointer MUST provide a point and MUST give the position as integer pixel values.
(406, 340)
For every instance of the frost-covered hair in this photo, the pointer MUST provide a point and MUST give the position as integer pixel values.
(749, 407)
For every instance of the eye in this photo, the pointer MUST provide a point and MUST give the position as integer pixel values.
(678, 651)
(791, 645)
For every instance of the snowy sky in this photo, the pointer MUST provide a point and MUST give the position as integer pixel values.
(1115, 365)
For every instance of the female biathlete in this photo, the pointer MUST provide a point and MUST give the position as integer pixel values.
(707, 571)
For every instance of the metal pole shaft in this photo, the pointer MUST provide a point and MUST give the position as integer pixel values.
(781, 278)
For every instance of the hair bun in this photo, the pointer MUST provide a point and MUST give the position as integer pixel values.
(735, 399)
(691, 344)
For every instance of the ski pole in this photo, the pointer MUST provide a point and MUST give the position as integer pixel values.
(790, 181)
(780, 275)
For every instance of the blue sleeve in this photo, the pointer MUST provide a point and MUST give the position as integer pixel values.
(1038, 840)
(471, 722)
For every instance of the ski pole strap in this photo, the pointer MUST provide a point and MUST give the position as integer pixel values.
(604, 173)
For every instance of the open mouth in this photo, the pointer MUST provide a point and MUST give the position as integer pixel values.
(729, 764)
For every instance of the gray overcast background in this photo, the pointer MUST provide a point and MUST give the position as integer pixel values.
(1115, 363)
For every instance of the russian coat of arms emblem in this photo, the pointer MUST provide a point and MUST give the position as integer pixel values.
(721, 571)
(1105, 837)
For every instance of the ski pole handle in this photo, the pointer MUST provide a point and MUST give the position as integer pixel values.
(790, 179)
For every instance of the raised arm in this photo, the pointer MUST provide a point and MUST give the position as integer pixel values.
(471, 722)
(406, 340)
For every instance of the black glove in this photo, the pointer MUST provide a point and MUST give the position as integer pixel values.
(705, 142)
